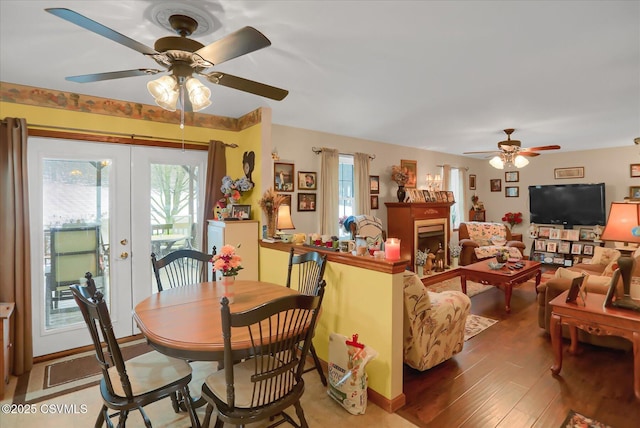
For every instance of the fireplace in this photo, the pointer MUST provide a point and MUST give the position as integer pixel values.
(431, 235)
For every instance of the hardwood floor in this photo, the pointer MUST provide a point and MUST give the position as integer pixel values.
(502, 377)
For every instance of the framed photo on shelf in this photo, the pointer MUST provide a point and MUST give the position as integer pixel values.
(558, 260)
(554, 234)
(283, 177)
(512, 176)
(572, 235)
(512, 191)
(450, 196)
(241, 212)
(564, 247)
(374, 202)
(552, 247)
(634, 192)
(307, 180)
(374, 184)
(540, 245)
(544, 231)
(587, 234)
(495, 184)
(576, 248)
(568, 262)
(411, 168)
(306, 201)
(472, 182)
(635, 169)
(572, 172)
(587, 249)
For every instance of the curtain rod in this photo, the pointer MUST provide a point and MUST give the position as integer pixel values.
(466, 168)
(318, 151)
(122, 134)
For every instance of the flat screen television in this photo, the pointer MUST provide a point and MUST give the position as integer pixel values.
(567, 204)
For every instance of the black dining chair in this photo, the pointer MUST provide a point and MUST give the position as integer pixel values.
(265, 384)
(132, 384)
(311, 268)
(181, 267)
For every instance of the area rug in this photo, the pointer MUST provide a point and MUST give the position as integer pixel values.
(576, 420)
(454, 284)
(476, 324)
(67, 374)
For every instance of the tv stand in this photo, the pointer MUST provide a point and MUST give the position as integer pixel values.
(563, 246)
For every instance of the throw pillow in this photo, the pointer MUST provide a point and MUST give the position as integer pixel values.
(604, 256)
(498, 240)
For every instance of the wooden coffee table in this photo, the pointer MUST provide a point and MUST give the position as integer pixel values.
(503, 278)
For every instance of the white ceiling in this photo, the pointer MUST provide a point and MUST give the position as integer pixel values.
(440, 75)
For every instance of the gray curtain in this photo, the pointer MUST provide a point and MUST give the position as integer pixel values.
(361, 184)
(15, 267)
(329, 165)
(216, 169)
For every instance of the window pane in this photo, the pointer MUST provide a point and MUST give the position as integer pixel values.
(345, 189)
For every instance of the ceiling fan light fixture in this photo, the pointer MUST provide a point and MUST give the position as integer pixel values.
(163, 87)
(170, 101)
(520, 161)
(497, 162)
(199, 94)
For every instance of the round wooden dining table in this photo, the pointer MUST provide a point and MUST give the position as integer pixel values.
(185, 322)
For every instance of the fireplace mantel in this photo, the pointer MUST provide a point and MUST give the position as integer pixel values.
(403, 217)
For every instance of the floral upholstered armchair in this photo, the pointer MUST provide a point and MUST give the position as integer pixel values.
(433, 324)
(480, 240)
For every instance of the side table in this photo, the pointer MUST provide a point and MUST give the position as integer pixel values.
(594, 319)
(6, 309)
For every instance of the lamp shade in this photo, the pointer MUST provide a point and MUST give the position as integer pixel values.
(199, 94)
(284, 218)
(496, 162)
(520, 161)
(622, 223)
(165, 92)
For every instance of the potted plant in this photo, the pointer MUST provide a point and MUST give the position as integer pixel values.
(421, 259)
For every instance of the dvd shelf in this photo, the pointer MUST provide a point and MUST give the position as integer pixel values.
(563, 247)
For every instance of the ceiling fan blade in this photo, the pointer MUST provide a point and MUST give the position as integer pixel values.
(552, 147)
(529, 154)
(247, 85)
(97, 77)
(91, 25)
(479, 153)
(236, 44)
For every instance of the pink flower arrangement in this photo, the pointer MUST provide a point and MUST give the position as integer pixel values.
(227, 261)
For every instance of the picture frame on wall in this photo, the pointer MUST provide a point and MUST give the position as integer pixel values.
(283, 176)
(472, 182)
(307, 180)
(634, 169)
(306, 201)
(512, 191)
(572, 172)
(374, 202)
(374, 184)
(495, 184)
(511, 176)
(410, 167)
(634, 193)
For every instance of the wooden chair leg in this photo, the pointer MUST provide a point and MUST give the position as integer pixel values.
(316, 361)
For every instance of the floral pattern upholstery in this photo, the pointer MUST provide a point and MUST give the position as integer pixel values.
(433, 324)
(482, 233)
(492, 250)
(481, 240)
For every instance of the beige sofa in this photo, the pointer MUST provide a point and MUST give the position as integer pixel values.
(433, 323)
(599, 273)
(480, 240)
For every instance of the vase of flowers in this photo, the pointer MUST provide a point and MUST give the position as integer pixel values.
(454, 253)
(400, 177)
(512, 219)
(229, 264)
(421, 259)
(233, 189)
(270, 203)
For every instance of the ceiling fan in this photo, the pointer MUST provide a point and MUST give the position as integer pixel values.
(182, 57)
(511, 153)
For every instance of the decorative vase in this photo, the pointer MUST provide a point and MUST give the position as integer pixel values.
(401, 193)
(501, 257)
(271, 225)
(454, 262)
(420, 270)
(226, 287)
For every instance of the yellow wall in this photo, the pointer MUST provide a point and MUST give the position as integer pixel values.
(360, 301)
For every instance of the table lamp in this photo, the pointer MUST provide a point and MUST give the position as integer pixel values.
(623, 227)
(284, 221)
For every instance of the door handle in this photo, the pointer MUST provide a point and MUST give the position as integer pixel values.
(124, 242)
(124, 255)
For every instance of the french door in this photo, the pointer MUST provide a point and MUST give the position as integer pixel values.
(92, 207)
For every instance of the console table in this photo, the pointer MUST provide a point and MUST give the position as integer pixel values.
(594, 319)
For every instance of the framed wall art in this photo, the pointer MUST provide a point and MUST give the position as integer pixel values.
(307, 180)
(512, 191)
(283, 177)
(472, 182)
(635, 169)
(306, 201)
(634, 192)
(374, 202)
(496, 184)
(410, 167)
(512, 176)
(374, 184)
(572, 172)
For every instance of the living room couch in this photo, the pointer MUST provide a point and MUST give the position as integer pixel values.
(480, 240)
(599, 274)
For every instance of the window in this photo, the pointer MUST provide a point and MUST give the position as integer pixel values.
(345, 189)
(456, 181)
